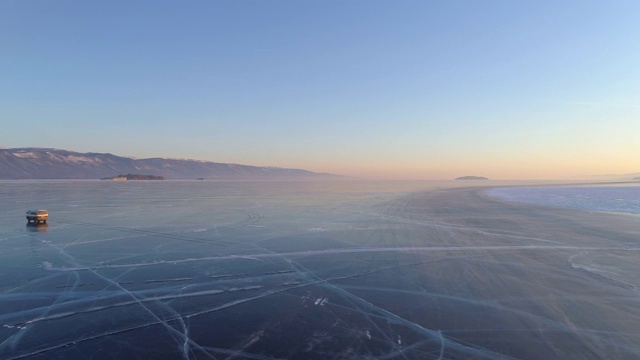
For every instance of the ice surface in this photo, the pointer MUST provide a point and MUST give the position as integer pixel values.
(623, 198)
(293, 270)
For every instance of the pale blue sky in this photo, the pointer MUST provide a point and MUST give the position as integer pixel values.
(394, 89)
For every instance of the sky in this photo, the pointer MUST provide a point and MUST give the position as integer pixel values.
(368, 88)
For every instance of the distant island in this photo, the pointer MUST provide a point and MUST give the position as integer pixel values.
(134, 177)
(636, 178)
(472, 178)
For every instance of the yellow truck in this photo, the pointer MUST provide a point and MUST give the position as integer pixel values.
(37, 216)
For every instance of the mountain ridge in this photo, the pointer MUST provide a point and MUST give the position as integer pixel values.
(50, 163)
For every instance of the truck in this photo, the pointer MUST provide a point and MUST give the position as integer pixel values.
(37, 216)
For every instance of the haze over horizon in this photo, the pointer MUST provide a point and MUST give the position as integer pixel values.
(415, 90)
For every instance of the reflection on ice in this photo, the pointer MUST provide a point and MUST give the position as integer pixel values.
(313, 271)
(37, 227)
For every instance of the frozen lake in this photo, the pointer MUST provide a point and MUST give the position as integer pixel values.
(624, 198)
(294, 270)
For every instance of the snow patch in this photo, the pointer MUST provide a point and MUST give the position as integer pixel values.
(78, 159)
(317, 229)
(321, 301)
(25, 155)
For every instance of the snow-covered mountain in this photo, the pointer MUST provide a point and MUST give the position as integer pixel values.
(43, 163)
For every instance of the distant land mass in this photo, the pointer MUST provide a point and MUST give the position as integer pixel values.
(471, 178)
(44, 163)
(134, 177)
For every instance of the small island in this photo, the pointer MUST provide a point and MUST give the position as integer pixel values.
(472, 178)
(134, 177)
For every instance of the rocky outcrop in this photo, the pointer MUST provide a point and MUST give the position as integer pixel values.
(135, 177)
(471, 178)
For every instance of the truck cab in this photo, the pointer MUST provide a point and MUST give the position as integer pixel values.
(37, 216)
